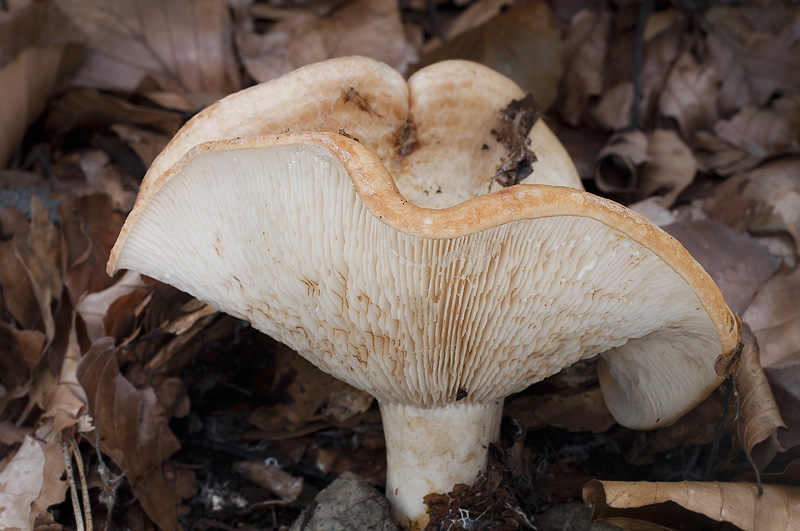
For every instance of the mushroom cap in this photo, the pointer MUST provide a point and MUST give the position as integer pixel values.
(434, 133)
(307, 236)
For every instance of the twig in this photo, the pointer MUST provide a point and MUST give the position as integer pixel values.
(645, 8)
(73, 489)
(433, 11)
(87, 508)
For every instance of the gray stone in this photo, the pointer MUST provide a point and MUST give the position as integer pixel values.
(347, 504)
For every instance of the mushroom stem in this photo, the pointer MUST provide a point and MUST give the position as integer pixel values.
(431, 450)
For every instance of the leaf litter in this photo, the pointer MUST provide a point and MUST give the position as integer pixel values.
(177, 417)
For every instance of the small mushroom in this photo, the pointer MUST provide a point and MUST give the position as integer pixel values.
(333, 247)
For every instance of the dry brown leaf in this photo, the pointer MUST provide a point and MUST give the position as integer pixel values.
(765, 200)
(21, 482)
(360, 27)
(103, 177)
(584, 56)
(474, 15)
(694, 505)
(523, 42)
(714, 154)
(737, 262)
(146, 144)
(774, 317)
(689, 95)
(760, 132)
(616, 169)
(755, 52)
(37, 44)
(65, 402)
(93, 307)
(270, 477)
(784, 379)
(670, 167)
(184, 45)
(613, 111)
(133, 428)
(759, 420)
(54, 488)
(310, 399)
(581, 411)
(18, 295)
(93, 110)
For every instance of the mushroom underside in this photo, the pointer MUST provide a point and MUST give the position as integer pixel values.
(279, 236)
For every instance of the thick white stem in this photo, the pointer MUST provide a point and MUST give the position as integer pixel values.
(430, 450)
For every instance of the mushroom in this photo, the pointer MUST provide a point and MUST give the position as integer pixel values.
(438, 304)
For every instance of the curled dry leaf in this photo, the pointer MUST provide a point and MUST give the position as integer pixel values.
(689, 95)
(21, 482)
(359, 27)
(755, 53)
(93, 307)
(184, 45)
(694, 505)
(37, 45)
(523, 42)
(133, 430)
(584, 55)
(738, 264)
(759, 420)
(717, 155)
(616, 169)
(765, 200)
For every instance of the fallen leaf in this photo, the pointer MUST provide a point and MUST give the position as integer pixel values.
(89, 109)
(693, 505)
(65, 402)
(669, 169)
(737, 263)
(573, 411)
(37, 45)
(721, 157)
(54, 488)
(184, 45)
(146, 144)
(774, 317)
(133, 429)
(584, 51)
(760, 132)
(359, 27)
(765, 200)
(689, 95)
(755, 52)
(784, 380)
(613, 111)
(757, 425)
(522, 42)
(21, 482)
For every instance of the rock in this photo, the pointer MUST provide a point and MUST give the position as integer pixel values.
(347, 504)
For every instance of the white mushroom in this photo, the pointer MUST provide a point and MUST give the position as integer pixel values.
(440, 313)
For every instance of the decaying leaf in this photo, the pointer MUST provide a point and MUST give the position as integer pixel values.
(21, 482)
(37, 45)
(522, 42)
(584, 55)
(669, 169)
(694, 505)
(184, 45)
(774, 317)
(738, 264)
(581, 411)
(359, 27)
(690, 95)
(760, 132)
(765, 200)
(758, 423)
(146, 144)
(312, 399)
(133, 429)
(755, 53)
